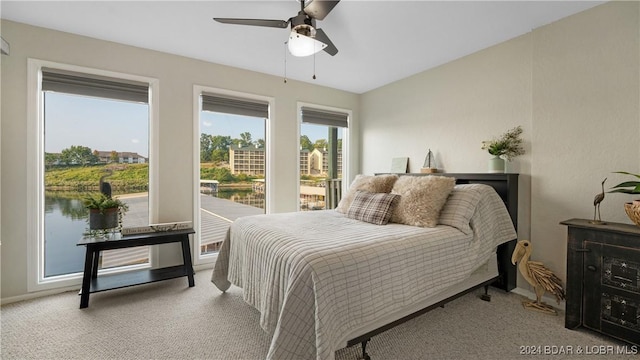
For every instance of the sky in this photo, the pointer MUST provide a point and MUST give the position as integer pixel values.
(232, 125)
(107, 125)
(99, 124)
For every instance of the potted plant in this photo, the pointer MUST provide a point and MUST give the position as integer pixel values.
(506, 147)
(629, 187)
(105, 212)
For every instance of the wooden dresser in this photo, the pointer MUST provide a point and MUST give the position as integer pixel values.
(603, 278)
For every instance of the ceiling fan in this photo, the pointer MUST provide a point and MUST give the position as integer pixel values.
(305, 39)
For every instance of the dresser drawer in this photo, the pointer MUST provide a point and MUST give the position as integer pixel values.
(603, 278)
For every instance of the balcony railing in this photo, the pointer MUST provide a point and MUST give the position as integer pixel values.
(333, 193)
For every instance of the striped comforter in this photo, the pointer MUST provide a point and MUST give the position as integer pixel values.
(317, 276)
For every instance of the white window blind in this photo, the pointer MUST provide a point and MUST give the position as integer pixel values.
(233, 105)
(324, 117)
(75, 83)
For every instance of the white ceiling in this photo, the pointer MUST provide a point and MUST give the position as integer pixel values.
(378, 41)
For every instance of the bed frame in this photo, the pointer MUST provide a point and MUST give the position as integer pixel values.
(506, 185)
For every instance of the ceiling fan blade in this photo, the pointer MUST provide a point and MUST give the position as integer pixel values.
(254, 22)
(322, 37)
(318, 9)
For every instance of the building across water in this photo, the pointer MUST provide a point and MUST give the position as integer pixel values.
(250, 160)
(123, 157)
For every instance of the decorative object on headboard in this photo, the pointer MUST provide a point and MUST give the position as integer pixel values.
(4, 46)
(506, 147)
(596, 206)
(429, 166)
(539, 276)
(399, 165)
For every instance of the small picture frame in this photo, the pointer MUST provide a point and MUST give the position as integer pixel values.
(400, 165)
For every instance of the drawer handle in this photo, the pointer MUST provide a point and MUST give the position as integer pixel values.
(591, 268)
(583, 250)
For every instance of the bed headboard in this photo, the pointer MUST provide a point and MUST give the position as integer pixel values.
(506, 185)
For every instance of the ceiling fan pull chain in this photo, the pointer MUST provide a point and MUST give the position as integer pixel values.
(314, 66)
(285, 62)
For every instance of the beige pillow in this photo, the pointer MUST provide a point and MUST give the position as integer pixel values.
(369, 183)
(421, 199)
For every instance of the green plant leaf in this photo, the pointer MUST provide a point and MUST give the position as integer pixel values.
(627, 173)
(628, 184)
(625, 191)
(627, 187)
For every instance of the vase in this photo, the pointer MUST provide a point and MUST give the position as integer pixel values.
(496, 165)
(106, 220)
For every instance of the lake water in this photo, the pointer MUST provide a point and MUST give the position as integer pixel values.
(65, 222)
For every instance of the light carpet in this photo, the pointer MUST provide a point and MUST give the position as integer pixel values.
(169, 320)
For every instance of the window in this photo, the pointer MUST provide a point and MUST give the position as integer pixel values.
(89, 128)
(232, 164)
(322, 157)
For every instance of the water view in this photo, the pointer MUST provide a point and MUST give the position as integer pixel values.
(232, 155)
(66, 222)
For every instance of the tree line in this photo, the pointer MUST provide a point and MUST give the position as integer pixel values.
(78, 155)
(212, 149)
(75, 155)
(215, 148)
(320, 144)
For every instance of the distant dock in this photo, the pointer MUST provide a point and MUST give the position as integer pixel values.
(216, 215)
(209, 186)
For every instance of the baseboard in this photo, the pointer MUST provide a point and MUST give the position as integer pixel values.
(38, 294)
(546, 298)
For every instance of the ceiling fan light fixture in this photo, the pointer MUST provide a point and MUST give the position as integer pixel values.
(302, 45)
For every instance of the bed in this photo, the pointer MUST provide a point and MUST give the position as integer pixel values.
(323, 280)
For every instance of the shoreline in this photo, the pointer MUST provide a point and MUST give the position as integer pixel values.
(132, 193)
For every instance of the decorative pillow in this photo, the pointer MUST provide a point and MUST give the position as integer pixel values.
(375, 208)
(369, 183)
(460, 207)
(421, 199)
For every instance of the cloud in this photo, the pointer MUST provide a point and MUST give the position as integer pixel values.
(135, 141)
(207, 123)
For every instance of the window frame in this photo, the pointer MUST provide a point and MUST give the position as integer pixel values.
(346, 160)
(36, 280)
(198, 90)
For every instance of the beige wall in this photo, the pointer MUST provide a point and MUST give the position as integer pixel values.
(177, 76)
(573, 85)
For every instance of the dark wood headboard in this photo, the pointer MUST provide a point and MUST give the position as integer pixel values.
(506, 185)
